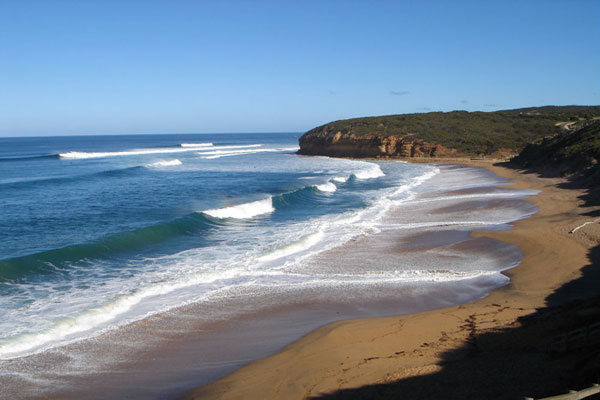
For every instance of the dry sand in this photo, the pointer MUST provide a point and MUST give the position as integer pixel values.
(514, 343)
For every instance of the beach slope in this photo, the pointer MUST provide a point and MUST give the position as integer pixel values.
(513, 343)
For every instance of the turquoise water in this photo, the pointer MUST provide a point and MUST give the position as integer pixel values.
(97, 232)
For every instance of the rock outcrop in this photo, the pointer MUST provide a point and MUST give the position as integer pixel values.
(324, 142)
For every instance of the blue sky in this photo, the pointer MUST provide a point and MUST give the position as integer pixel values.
(109, 67)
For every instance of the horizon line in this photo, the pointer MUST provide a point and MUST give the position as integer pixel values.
(273, 132)
(141, 134)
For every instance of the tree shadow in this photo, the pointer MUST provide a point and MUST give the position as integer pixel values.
(542, 354)
(588, 181)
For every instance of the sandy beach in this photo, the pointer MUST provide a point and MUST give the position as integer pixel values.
(516, 342)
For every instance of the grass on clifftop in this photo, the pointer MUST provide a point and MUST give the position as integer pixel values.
(475, 133)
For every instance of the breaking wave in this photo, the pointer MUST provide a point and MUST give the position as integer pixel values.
(136, 152)
(327, 187)
(209, 155)
(207, 144)
(243, 211)
(373, 172)
(169, 163)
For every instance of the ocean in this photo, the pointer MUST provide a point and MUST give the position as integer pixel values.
(107, 240)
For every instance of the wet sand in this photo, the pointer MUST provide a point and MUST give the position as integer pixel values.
(501, 346)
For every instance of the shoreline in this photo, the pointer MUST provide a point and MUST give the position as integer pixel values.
(423, 267)
(360, 356)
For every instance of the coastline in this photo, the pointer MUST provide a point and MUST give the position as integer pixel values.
(367, 356)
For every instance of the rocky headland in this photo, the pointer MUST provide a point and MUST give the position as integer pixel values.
(499, 134)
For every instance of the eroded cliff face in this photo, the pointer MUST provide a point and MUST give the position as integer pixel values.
(323, 141)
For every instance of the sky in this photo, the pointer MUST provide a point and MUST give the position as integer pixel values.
(123, 66)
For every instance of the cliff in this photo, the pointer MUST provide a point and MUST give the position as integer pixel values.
(437, 134)
(350, 145)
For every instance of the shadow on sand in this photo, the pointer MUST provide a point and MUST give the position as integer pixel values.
(542, 354)
(589, 181)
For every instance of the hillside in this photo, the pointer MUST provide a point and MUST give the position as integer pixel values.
(566, 153)
(438, 134)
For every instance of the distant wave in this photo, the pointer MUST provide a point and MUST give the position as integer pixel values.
(84, 155)
(232, 146)
(209, 155)
(243, 211)
(169, 163)
(207, 144)
(340, 179)
(135, 152)
(120, 172)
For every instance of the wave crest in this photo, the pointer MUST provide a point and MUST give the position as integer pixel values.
(373, 172)
(136, 152)
(207, 144)
(168, 163)
(210, 155)
(243, 211)
(327, 187)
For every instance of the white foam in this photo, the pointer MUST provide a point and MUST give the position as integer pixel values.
(419, 180)
(209, 155)
(225, 153)
(340, 179)
(207, 144)
(66, 330)
(229, 147)
(303, 244)
(84, 155)
(135, 152)
(167, 163)
(373, 172)
(327, 187)
(441, 275)
(242, 211)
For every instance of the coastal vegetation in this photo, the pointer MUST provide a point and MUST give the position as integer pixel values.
(503, 132)
(568, 152)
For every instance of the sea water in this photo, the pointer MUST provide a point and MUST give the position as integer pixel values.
(97, 233)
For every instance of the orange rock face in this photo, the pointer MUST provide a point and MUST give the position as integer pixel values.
(327, 143)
